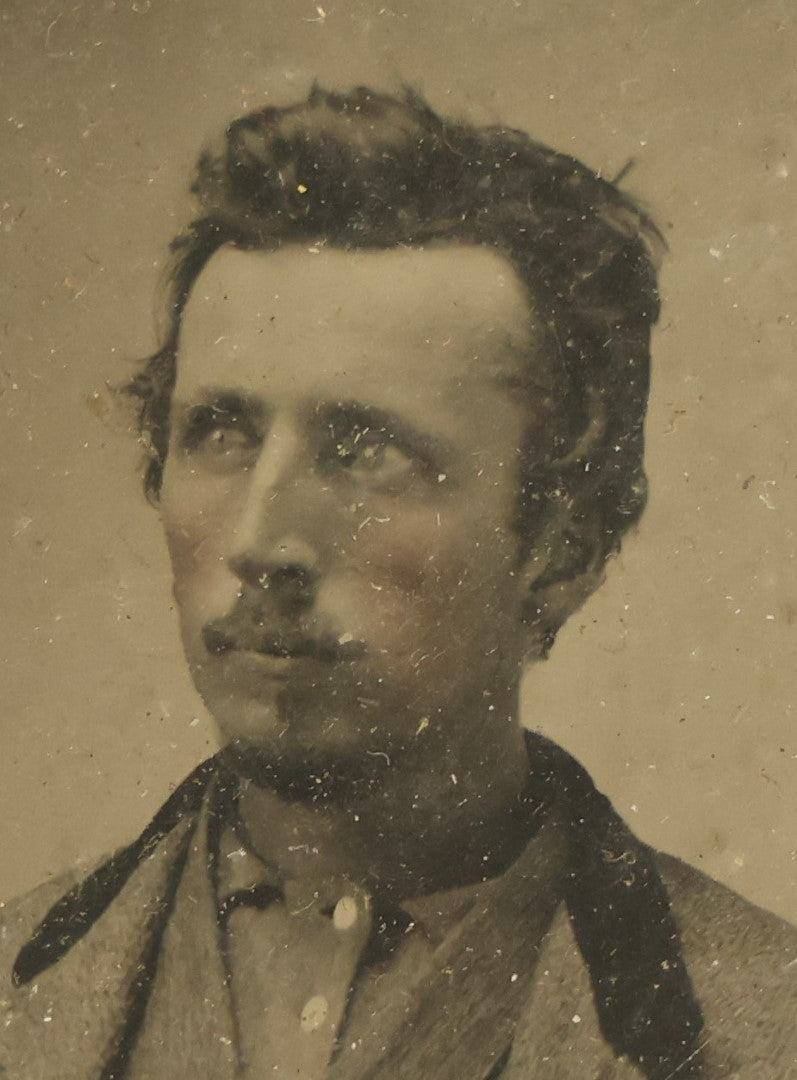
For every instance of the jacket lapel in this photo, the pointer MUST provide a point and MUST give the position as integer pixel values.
(188, 1029)
(82, 979)
(66, 1022)
(558, 1034)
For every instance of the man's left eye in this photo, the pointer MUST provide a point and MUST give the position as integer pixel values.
(370, 455)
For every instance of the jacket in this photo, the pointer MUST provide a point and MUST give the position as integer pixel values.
(647, 968)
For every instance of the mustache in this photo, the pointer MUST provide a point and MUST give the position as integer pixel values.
(240, 632)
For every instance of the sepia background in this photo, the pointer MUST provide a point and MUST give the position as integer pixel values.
(676, 684)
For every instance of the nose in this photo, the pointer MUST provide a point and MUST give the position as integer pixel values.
(286, 570)
(276, 547)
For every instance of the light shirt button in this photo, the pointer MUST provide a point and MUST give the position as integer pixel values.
(314, 1013)
(345, 914)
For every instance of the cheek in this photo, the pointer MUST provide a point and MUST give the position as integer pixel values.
(412, 553)
(435, 563)
(196, 538)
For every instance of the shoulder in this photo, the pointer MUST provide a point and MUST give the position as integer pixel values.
(743, 964)
(738, 940)
(50, 919)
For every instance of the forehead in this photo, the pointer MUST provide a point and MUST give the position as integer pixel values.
(405, 327)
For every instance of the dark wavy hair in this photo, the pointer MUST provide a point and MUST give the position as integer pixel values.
(367, 170)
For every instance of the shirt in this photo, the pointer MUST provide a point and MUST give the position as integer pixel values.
(322, 970)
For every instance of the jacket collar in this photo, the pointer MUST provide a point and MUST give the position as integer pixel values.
(114, 931)
(130, 966)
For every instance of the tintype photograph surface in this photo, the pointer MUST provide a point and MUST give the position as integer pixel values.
(399, 532)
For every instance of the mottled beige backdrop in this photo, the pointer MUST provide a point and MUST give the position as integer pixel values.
(676, 684)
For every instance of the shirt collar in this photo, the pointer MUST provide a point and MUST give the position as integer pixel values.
(245, 877)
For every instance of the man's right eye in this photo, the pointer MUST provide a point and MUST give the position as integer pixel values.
(218, 434)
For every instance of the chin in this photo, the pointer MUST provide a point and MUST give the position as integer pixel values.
(303, 753)
(306, 773)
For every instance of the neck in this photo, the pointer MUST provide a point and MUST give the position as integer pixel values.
(405, 828)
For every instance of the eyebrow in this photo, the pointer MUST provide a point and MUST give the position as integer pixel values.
(221, 400)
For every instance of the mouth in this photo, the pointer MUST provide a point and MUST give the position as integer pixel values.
(225, 636)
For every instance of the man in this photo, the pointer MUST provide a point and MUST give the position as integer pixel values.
(395, 433)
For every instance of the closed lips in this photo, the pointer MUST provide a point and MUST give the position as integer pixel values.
(226, 636)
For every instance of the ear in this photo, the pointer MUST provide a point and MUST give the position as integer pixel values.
(153, 477)
(566, 562)
(561, 572)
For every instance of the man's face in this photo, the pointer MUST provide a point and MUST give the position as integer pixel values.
(339, 493)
